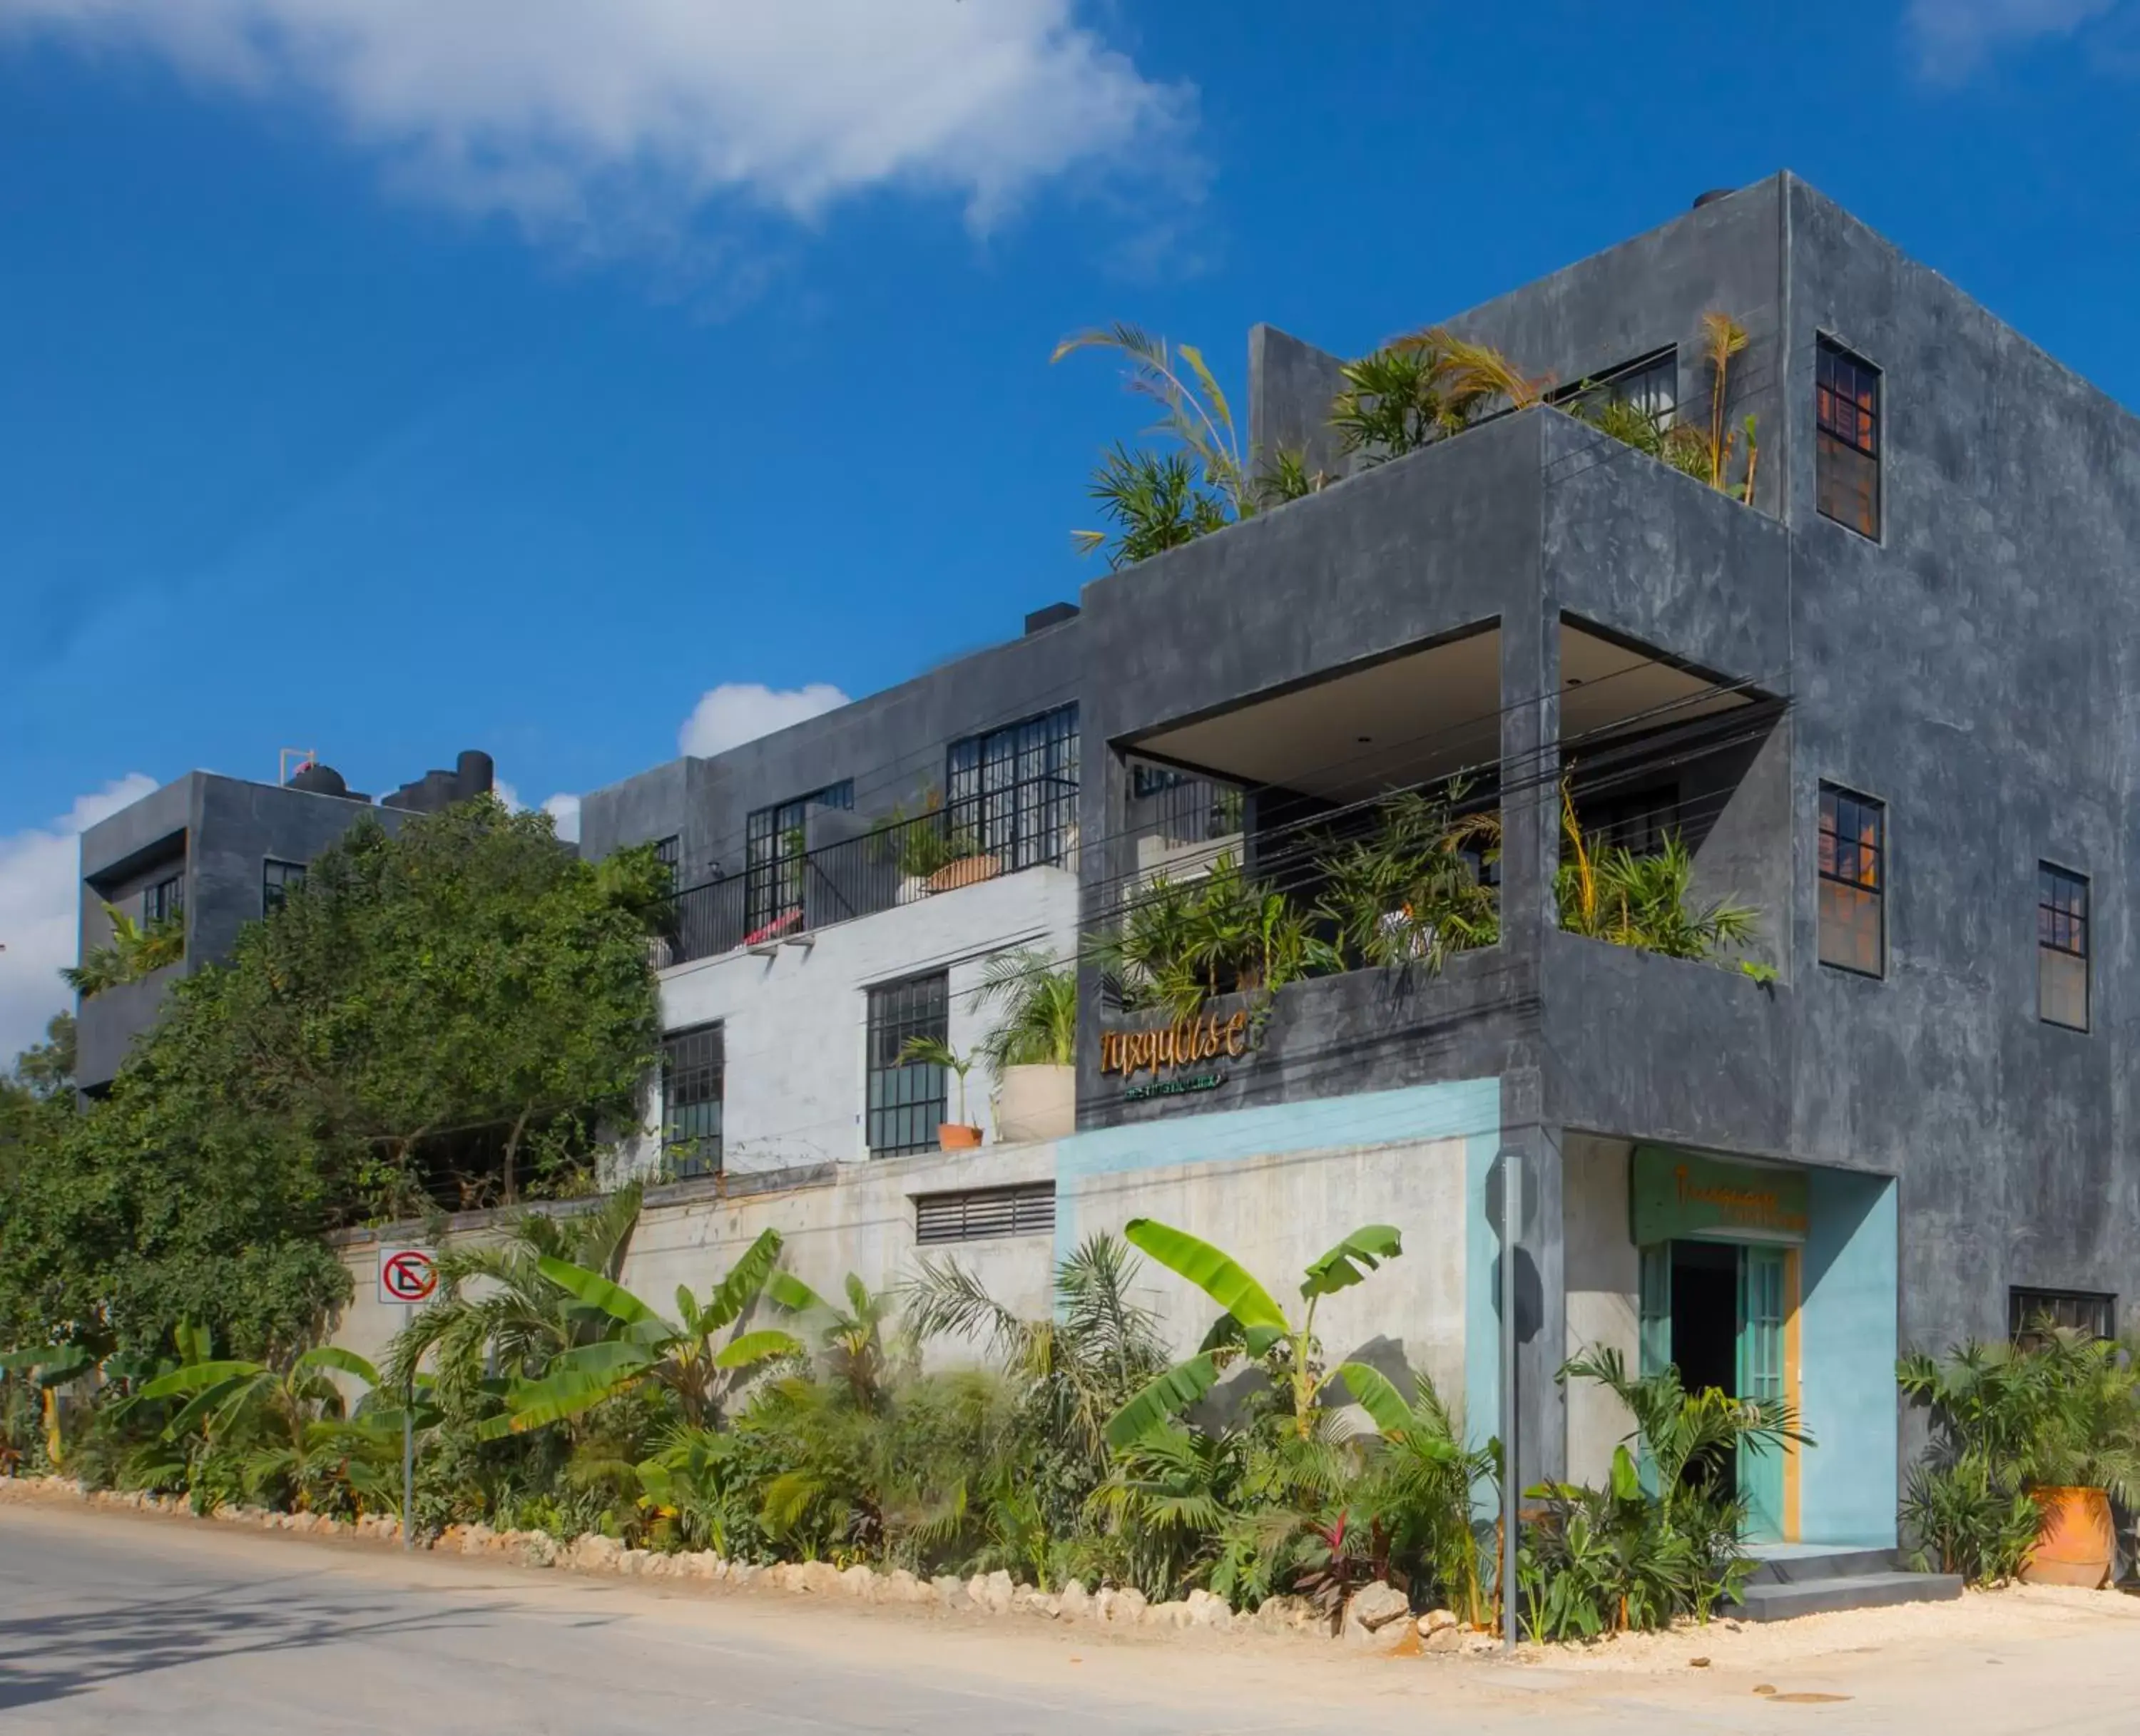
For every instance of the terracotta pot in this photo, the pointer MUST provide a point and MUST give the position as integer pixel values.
(2078, 1542)
(1036, 1103)
(950, 1136)
(969, 870)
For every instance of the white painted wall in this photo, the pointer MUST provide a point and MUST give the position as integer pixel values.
(1275, 1213)
(1603, 1279)
(795, 1022)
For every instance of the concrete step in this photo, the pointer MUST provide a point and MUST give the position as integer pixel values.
(1800, 1565)
(1779, 1602)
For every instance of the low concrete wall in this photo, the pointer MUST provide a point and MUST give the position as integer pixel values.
(838, 1218)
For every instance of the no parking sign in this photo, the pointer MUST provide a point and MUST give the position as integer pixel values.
(407, 1275)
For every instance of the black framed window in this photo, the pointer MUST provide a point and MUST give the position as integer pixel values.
(2061, 947)
(1638, 821)
(1650, 383)
(163, 900)
(669, 852)
(1181, 808)
(906, 1100)
(2090, 1311)
(694, 1070)
(774, 853)
(979, 1213)
(276, 879)
(1013, 792)
(1847, 439)
(1853, 882)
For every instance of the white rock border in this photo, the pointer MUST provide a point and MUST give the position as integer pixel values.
(994, 1594)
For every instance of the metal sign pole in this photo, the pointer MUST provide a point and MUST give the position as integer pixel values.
(1512, 1216)
(407, 1442)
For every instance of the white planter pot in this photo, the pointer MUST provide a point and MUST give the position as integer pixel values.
(1036, 1103)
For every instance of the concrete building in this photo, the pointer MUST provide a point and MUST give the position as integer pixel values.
(1904, 1123)
(1873, 686)
(215, 853)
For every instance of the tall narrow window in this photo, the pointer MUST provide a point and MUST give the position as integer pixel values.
(2061, 947)
(164, 901)
(773, 860)
(1853, 882)
(277, 880)
(694, 1066)
(1013, 792)
(905, 1099)
(1846, 432)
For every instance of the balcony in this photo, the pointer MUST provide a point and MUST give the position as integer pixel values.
(795, 893)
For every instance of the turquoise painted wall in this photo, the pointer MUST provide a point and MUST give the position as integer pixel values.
(1469, 1108)
(1848, 1328)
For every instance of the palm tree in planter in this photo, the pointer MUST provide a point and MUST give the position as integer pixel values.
(961, 1135)
(1032, 1050)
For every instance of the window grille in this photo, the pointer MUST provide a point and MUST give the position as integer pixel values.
(693, 1076)
(1847, 428)
(1853, 882)
(906, 1102)
(978, 1213)
(1013, 792)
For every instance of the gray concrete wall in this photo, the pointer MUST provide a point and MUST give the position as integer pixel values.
(220, 833)
(893, 745)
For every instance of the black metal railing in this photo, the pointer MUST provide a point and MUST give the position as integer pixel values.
(901, 863)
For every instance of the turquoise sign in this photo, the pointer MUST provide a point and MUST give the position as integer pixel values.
(1675, 1195)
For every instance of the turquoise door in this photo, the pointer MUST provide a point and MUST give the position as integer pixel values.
(1761, 1309)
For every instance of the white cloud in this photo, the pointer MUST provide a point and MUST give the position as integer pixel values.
(614, 121)
(39, 894)
(565, 810)
(562, 808)
(741, 711)
(1953, 37)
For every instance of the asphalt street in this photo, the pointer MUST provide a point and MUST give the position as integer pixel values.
(116, 1622)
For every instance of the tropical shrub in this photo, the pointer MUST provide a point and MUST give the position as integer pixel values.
(1662, 1539)
(135, 950)
(2060, 1411)
(1410, 889)
(1645, 901)
(1422, 388)
(1160, 500)
(1182, 941)
(1039, 1024)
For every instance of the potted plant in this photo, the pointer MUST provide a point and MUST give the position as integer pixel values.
(1032, 1051)
(2058, 1419)
(961, 1135)
(934, 856)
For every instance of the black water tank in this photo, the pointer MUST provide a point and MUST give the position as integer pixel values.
(1711, 197)
(474, 773)
(320, 780)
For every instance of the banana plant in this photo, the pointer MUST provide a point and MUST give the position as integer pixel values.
(851, 1338)
(689, 1355)
(47, 1368)
(1253, 1322)
(286, 1425)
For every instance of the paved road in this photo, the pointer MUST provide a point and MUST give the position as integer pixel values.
(112, 1622)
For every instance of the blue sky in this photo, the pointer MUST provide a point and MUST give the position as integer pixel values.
(391, 376)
